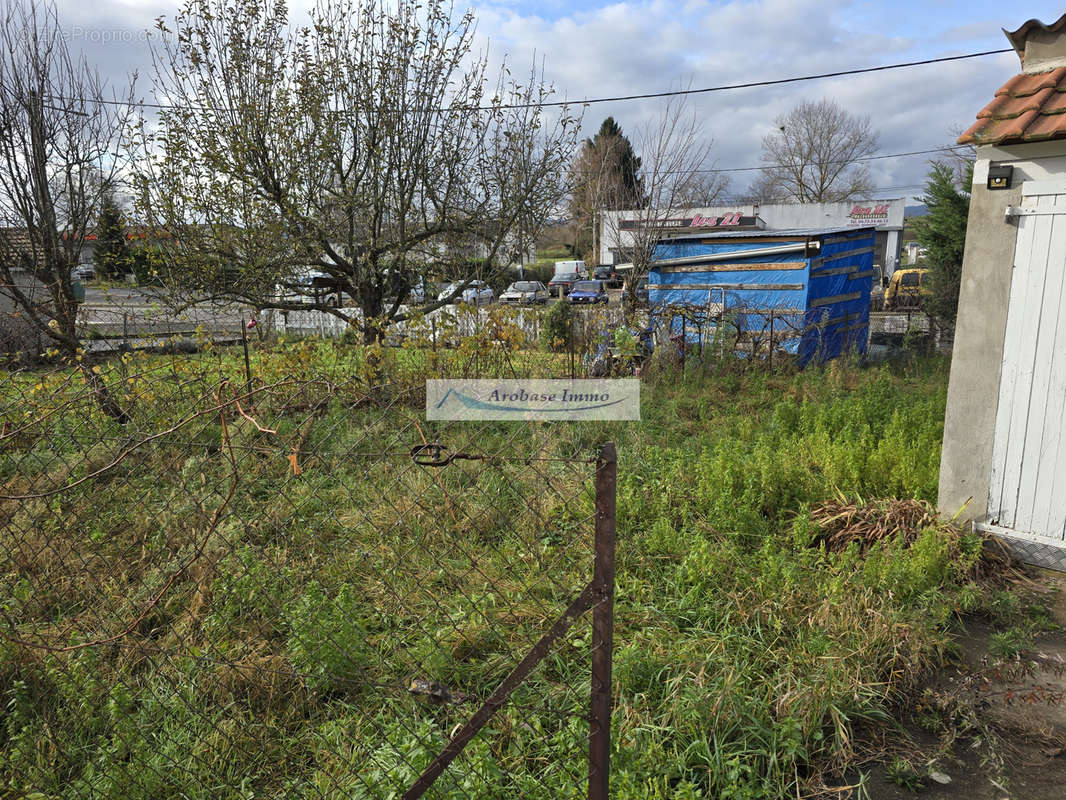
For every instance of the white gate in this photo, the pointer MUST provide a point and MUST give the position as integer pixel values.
(1027, 491)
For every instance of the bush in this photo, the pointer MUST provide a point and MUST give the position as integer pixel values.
(20, 341)
(943, 233)
(327, 643)
(147, 265)
(542, 272)
(557, 331)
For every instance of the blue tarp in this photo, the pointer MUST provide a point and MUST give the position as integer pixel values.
(818, 301)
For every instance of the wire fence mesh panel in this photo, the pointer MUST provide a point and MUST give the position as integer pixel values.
(262, 573)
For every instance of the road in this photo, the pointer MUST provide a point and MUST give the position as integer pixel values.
(134, 311)
(116, 316)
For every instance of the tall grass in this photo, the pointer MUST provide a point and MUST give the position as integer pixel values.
(746, 655)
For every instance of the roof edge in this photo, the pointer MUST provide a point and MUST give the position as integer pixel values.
(1018, 37)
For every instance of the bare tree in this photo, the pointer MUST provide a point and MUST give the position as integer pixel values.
(60, 131)
(372, 147)
(675, 156)
(813, 156)
(705, 189)
(961, 157)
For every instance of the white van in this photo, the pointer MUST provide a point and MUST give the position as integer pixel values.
(570, 268)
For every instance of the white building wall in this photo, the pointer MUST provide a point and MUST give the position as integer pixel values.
(885, 215)
(1031, 162)
(984, 363)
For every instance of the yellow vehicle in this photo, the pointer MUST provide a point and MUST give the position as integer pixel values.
(907, 288)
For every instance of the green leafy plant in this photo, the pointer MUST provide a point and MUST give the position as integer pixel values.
(902, 773)
(943, 233)
(556, 331)
(326, 637)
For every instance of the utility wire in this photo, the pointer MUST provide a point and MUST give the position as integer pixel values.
(592, 101)
(775, 82)
(943, 149)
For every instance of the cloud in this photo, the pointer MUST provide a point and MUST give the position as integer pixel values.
(974, 31)
(639, 46)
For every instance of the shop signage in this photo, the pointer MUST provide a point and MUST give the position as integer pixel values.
(869, 215)
(697, 222)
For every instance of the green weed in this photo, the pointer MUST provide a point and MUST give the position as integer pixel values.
(278, 665)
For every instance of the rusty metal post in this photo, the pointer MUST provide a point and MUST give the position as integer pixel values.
(684, 336)
(771, 354)
(461, 736)
(247, 362)
(603, 625)
(570, 345)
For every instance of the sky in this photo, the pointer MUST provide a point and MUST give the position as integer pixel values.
(599, 49)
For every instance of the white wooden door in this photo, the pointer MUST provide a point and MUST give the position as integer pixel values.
(1027, 494)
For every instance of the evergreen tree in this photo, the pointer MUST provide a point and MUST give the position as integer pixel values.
(111, 252)
(942, 232)
(605, 175)
(621, 162)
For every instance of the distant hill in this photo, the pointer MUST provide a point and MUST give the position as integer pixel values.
(915, 211)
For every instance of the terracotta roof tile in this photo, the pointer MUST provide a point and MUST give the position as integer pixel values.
(1026, 84)
(997, 108)
(1026, 108)
(1046, 126)
(1055, 104)
(17, 248)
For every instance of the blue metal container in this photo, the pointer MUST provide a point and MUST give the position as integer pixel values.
(801, 292)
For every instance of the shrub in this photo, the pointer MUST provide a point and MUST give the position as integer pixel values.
(326, 642)
(557, 333)
(20, 341)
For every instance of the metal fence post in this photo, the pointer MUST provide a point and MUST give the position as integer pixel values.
(684, 335)
(570, 345)
(603, 625)
(770, 355)
(247, 362)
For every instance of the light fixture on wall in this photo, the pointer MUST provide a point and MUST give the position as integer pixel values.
(999, 177)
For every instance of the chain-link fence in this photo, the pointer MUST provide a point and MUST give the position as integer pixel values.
(255, 570)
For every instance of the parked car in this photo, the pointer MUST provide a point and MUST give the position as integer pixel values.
(420, 291)
(525, 293)
(606, 273)
(906, 288)
(636, 294)
(588, 293)
(417, 294)
(560, 285)
(570, 268)
(412, 286)
(477, 293)
(311, 286)
(83, 272)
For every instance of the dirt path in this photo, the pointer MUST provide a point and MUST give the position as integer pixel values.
(1009, 720)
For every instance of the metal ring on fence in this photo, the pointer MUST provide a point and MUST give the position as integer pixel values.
(430, 455)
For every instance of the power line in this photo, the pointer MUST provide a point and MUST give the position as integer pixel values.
(945, 149)
(774, 82)
(942, 149)
(592, 101)
(907, 189)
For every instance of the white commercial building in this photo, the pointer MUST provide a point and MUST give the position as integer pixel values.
(619, 227)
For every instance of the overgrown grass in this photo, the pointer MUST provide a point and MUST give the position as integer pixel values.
(277, 665)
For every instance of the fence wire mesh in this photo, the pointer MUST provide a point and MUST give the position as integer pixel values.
(261, 573)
